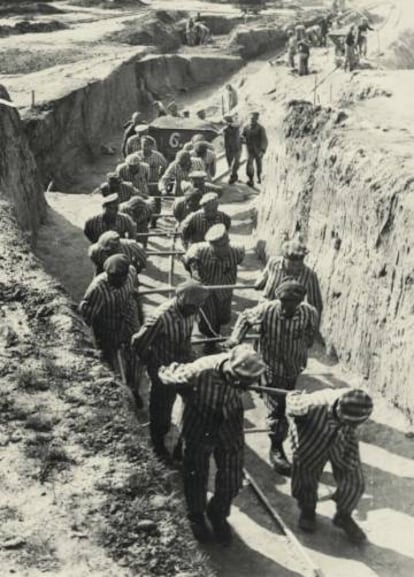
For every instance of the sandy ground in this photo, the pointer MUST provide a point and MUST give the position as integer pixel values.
(386, 511)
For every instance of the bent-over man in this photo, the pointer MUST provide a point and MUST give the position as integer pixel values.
(109, 219)
(322, 428)
(195, 226)
(213, 425)
(110, 243)
(136, 172)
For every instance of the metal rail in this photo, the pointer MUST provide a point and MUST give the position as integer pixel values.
(209, 287)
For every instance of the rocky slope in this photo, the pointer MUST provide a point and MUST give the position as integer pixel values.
(20, 181)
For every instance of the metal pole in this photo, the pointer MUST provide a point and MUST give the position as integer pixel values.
(268, 390)
(209, 287)
(150, 234)
(219, 339)
(33, 99)
(316, 571)
(164, 253)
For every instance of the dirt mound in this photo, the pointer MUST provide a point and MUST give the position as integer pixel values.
(26, 27)
(250, 42)
(9, 8)
(401, 52)
(159, 29)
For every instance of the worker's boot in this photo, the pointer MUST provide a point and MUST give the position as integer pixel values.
(278, 460)
(353, 531)
(307, 520)
(199, 527)
(221, 527)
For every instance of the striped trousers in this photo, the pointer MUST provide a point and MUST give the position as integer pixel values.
(217, 312)
(225, 443)
(349, 480)
(276, 409)
(161, 402)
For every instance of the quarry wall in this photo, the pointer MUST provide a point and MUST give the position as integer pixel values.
(20, 180)
(354, 203)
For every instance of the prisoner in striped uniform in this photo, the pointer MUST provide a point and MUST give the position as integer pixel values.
(136, 172)
(141, 212)
(164, 338)
(212, 424)
(109, 307)
(291, 265)
(286, 327)
(177, 172)
(134, 141)
(215, 262)
(187, 204)
(202, 151)
(157, 164)
(322, 428)
(198, 178)
(110, 243)
(129, 130)
(195, 226)
(124, 189)
(109, 219)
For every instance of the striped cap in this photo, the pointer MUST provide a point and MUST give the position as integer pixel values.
(354, 406)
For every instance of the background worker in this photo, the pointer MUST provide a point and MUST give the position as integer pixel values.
(129, 130)
(134, 142)
(230, 99)
(195, 226)
(350, 50)
(109, 219)
(109, 306)
(213, 426)
(255, 139)
(164, 338)
(215, 262)
(187, 204)
(303, 55)
(322, 428)
(177, 172)
(157, 166)
(232, 146)
(135, 171)
(291, 265)
(362, 37)
(286, 327)
(292, 49)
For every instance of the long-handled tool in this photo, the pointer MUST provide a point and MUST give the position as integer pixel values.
(316, 571)
(219, 339)
(209, 287)
(164, 253)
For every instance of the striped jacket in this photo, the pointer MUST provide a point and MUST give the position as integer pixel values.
(168, 333)
(139, 179)
(141, 214)
(134, 252)
(209, 163)
(196, 225)
(315, 433)
(156, 162)
(181, 209)
(275, 273)
(213, 405)
(126, 190)
(96, 225)
(111, 311)
(283, 340)
(210, 269)
(175, 174)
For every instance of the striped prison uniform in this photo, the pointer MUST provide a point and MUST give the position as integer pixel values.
(195, 226)
(164, 338)
(212, 425)
(113, 314)
(126, 190)
(211, 269)
(128, 133)
(181, 209)
(130, 248)
(275, 273)
(133, 144)
(141, 214)
(139, 179)
(96, 225)
(173, 177)
(158, 165)
(284, 343)
(317, 436)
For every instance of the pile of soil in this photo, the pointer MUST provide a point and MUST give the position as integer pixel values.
(26, 27)
(11, 7)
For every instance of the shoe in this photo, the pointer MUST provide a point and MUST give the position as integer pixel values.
(279, 462)
(162, 453)
(307, 521)
(222, 529)
(199, 527)
(139, 403)
(259, 180)
(354, 533)
(250, 183)
(178, 452)
(232, 179)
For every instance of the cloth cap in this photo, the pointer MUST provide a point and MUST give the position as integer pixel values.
(188, 147)
(255, 114)
(110, 198)
(228, 118)
(113, 176)
(209, 197)
(197, 174)
(215, 233)
(294, 249)
(108, 236)
(140, 128)
(189, 191)
(104, 189)
(192, 292)
(132, 160)
(355, 406)
(290, 290)
(246, 362)
(117, 264)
